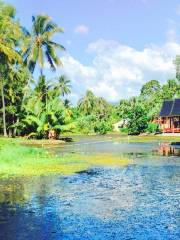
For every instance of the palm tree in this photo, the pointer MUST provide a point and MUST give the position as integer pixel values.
(67, 103)
(88, 103)
(9, 35)
(39, 44)
(102, 108)
(64, 85)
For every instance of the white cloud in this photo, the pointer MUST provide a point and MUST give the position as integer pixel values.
(82, 29)
(118, 71)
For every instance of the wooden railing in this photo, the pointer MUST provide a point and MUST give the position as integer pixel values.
(171, 130)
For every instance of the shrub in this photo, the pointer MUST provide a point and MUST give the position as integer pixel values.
(84, 124)
(152, 128)
(102, 127)
(137, 120)
(124, 130)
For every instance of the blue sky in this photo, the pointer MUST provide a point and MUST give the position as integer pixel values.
(113, 46)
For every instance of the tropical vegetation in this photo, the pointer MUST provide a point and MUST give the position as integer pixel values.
(37, 107)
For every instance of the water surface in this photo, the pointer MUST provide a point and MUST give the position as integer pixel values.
(137, 201)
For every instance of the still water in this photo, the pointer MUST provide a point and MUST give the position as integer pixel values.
(137, 201)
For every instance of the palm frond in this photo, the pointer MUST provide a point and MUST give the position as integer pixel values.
(57, 45)
(34, 26)
(49, 34)
(9, 52)
(39, 43)
(25, 54)
(50, 26)
(31, 66)
(42, 21)
(25, 32)
(40, 57)
(50, 61)
(52, 53)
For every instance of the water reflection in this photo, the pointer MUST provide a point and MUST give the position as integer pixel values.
(139, 201)
(167, 149)
(12, 191)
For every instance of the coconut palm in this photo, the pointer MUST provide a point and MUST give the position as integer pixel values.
(39, 44)
(64, 85)
(9, 35)
(87, 104)
(102, 109)
(67, 103)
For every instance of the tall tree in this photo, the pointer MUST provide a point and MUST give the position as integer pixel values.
(151, 97)
(177, 66)
(40, 45)
(150, 88)
(9, 35)
(87, 104)
(171, 89)
(64, 85)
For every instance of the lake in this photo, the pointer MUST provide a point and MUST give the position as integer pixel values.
(137, 201)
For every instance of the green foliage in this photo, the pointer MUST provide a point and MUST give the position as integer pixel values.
(63, 85)
(39, 44)
(44, 111)
(17, 160)
(124, 130)
(140, 111)
(171, 89)
(137, 119)
(85, 124)
(150, 88)
(102, 127)
(36, 107)
(94, 114)
(27, 109)
(177, 65)
(152, 127)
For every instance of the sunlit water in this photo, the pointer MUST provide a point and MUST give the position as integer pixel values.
(138, 201)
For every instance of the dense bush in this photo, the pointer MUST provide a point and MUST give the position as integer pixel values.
(152, 127)
(84, 124)
(102, 127)
(38, 107)
(137, 120)
(123, 130)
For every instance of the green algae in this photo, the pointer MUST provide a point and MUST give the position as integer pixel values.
(17, 160)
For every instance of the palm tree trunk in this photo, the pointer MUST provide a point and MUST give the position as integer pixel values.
(41, 73)
(4, 108)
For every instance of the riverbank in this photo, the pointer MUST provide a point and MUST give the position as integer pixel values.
(22, 157)
(129, 138)
(152, 138)
(19, 159)
(122, 187)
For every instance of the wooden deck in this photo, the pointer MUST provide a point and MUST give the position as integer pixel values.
(171, 130)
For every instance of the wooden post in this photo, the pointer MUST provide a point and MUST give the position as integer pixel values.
(173, 123)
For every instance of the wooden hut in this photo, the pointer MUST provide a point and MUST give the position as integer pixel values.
(169, 118)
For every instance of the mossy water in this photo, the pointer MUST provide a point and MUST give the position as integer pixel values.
(17, 160)
(122, 191)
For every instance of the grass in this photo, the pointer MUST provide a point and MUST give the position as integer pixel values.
(19, 160)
